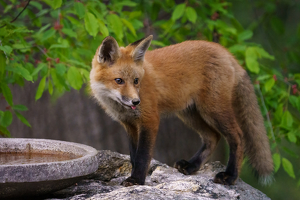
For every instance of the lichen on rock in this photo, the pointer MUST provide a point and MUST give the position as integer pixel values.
(162, 182)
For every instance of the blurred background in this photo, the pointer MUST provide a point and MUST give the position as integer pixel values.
(45, 56)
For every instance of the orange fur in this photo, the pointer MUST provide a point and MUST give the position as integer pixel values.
(200, 82)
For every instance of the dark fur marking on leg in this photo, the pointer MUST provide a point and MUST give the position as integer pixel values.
(231, 168)
(231, 173)
(224, 178)
(193, 165)
(132, 148)
(141, 160)
(193, 119)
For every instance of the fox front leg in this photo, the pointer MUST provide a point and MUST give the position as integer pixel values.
(132, 131)
(142, 157)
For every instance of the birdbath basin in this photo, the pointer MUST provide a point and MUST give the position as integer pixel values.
(31, 167)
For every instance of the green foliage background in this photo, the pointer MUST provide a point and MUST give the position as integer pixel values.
(53, 42)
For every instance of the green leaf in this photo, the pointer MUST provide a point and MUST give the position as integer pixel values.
(39, 68)
(126, 3)
(135, 14)
(103, 28)
(56, 4)
(80, 9)
(85, 74)
(287, 119)
(156, 7)
(7, 93)
(19, 107)
(60, 69)
(297, 132)
(4, 131)
(23, 119)
(8, 7)
(74, 78)
(2, 63)
(157, 43)
(276, 160)
(263, 77)
(129, 26)
(252, 65)
(297, 76)
(49, 2)
(58, 81)
(236, 24)
(245, 35)
(74, 21)
(137, 24)
(292, 137)
(298, 104)
(251, 60)
(298, 184)
(178, 11)
(288, 167)
(238, 48)
(278, 113)
(290, 152)
(69, 32)
(294, 101)
(41, 88)
(91, 24)
(50, 87)
(22, 47)
(54, 46)
(48, 34)
(75, 62)
(6, 49)
(191, 14)
(269, 84)
(36, 4)
(116, 25)
(20, 70)
(263, 54)
(6, 119)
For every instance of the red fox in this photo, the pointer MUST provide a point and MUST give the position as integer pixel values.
(201, 83)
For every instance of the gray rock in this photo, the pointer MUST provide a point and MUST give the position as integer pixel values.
(163, 182)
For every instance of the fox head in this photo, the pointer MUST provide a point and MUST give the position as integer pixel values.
(118, 71)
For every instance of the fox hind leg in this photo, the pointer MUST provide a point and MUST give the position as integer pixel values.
(209, 137)
(225, 123)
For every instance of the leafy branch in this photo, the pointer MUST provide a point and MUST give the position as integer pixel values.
(17, 15)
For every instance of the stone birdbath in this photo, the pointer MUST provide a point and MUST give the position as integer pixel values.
(32, 167)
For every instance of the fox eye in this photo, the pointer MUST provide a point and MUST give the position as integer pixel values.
(119, 81)
(136, 81)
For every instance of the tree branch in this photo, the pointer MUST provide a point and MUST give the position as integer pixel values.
(17, 15)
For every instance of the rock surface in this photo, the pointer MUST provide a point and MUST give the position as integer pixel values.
(163, 182)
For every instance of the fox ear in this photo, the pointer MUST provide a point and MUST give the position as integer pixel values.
(108, 51)
(141, 48)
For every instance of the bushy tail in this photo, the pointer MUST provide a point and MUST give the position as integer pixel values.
(256, 142)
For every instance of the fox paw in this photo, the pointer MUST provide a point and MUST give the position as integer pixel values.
(186, 167)
(130, 181)
(225, 178)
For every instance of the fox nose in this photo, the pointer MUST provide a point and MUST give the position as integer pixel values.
(135, 102)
